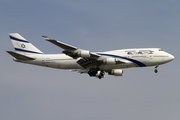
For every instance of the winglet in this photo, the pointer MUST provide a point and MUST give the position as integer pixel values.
(46, 38)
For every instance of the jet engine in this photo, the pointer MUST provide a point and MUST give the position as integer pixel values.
(116, 72)
(84, 53)
(110, 61)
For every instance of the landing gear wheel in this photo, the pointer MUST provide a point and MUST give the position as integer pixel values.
(155, 70)
(101, 75)
(96, 73)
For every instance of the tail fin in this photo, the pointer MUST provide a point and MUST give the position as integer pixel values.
(22, 46)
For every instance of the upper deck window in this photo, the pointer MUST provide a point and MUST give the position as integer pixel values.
(129, 53)
(151, 52)
(140, 52)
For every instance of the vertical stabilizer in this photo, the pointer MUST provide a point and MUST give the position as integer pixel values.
(22, 46)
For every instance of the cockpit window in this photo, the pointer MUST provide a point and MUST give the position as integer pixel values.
(160, 50)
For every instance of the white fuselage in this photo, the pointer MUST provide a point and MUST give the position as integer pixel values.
(132, 58)
(96, 64)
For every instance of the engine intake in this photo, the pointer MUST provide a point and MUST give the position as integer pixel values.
(116, 72)
(84, 53)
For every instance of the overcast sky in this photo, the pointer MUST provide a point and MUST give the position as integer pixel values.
(30, 92)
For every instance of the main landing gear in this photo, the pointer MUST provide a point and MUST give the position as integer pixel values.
(156, 69)
(96, 73)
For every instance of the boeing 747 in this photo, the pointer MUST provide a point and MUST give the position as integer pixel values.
(96, 64)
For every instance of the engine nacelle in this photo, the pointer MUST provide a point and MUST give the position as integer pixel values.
(84, 53)
(116, 72)
(110, 61)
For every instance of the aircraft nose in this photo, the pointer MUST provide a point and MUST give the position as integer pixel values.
(168, 58)
(171, 57)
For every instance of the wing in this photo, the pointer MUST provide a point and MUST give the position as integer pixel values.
(87, 58)
(72, 51)
(60, 44)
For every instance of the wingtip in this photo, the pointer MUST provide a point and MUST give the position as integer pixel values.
(45, 37)
(8, 51)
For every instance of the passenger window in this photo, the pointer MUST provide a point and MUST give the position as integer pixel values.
(151, 52)
(140, 52)
(129, 53)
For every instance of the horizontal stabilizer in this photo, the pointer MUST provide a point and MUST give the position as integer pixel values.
(19, 56)
(79, 71)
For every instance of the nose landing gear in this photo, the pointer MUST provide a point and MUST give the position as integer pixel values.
(156, 71)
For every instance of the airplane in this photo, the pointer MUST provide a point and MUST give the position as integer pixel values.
(96, 64)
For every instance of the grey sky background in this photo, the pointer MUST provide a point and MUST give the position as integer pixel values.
(30, 92)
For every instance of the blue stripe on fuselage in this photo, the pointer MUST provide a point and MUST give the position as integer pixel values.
(17, 49)
(13, 38)
(140, 64)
